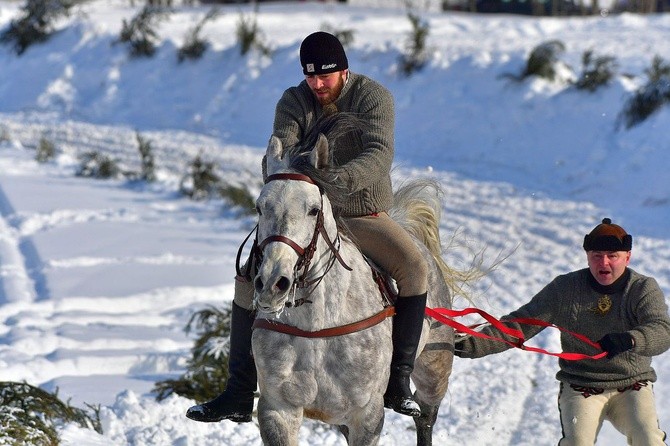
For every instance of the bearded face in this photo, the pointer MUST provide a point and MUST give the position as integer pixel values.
(327, 87)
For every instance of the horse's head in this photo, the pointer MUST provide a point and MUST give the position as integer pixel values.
(292, 213)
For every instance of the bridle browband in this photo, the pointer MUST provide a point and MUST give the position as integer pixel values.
(290, 176)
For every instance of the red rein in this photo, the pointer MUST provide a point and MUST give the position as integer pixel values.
(446, 316)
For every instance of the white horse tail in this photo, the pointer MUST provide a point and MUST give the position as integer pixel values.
(417, 207)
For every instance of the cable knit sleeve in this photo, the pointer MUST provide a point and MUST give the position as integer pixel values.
(542, 306)
(294, 112)
(651, 333)
(293, 115)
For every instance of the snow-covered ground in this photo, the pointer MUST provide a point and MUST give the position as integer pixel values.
(98, 278)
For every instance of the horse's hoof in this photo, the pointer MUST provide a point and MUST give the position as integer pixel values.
(204, 414)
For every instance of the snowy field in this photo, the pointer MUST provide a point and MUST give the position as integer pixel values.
(98, 278)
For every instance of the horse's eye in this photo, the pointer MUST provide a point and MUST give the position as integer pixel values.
(258, 210)
(314, 212)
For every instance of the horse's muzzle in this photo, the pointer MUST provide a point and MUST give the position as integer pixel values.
(270, 296)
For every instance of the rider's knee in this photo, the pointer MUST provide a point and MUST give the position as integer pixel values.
(244, 294)
(412, 279)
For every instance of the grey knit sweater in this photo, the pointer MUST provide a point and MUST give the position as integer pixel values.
(570, 302)
(365, 168)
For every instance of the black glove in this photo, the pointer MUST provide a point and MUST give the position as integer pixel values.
(461, 348)
(615, 343)
(458, 348)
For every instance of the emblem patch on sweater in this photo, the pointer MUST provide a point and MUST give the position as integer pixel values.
(603, 306)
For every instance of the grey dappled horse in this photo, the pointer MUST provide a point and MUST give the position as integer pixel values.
(311, 279)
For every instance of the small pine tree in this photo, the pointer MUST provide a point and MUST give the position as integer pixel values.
(650, 97)
(46, 150)
(206, 374)
(240, 197)
(140, 33)
(25, 428)
(194, 46)
(97, 165)
(645, 102)
(201, 180)
(542, 60)
(660, 69)
(29, 415)
(416, 56)
(36, 24)
(249, 36)
(147, 158)
(596, 71)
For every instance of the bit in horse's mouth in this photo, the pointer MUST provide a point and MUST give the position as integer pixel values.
(269, 310)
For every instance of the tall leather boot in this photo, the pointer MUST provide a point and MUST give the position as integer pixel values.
(407, 326)
(236, 403)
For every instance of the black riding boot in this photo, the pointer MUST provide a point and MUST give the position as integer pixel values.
(236, 403)
(407, 326)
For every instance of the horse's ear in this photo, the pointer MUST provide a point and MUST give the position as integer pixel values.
(274, 155)
(320, 152)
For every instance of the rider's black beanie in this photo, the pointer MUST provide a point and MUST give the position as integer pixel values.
(322, 53)
(608, 237)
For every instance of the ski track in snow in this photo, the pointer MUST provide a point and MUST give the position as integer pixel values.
(20, 279)
(64, 332)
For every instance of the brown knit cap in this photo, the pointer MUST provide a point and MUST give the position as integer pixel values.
(608, 237)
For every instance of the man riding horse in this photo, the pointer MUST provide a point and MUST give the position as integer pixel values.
(363, 166)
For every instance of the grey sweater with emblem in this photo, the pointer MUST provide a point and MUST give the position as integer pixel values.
(365, 168)
(571, 303)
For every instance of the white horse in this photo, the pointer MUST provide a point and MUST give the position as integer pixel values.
(322, 336)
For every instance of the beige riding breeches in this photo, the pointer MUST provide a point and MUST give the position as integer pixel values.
(631, 411)
(387, 244)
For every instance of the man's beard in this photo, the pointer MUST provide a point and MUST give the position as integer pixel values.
(333, 93)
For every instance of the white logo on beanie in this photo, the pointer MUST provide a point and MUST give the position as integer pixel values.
(309, 67)
(329, 66)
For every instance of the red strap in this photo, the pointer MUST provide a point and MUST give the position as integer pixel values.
(445, 315)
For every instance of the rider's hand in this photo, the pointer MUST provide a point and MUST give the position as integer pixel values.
(460, 348)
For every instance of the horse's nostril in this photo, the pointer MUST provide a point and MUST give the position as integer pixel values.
(283, 284)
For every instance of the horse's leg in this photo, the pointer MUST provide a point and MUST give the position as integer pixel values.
(344, 430)
(366, 426)
(278, 427)
(424, 424)
(431, 379)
